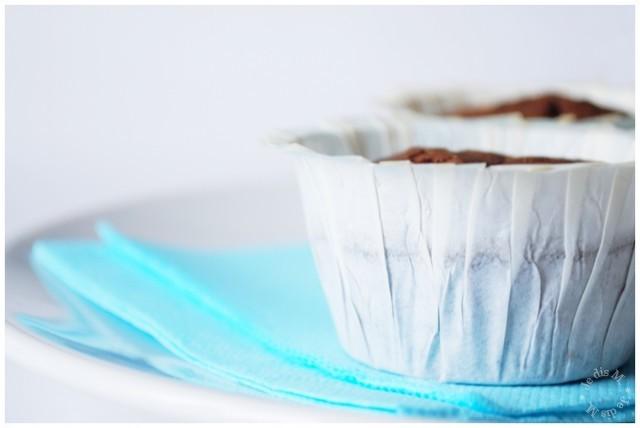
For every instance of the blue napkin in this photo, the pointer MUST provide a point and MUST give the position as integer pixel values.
(255, 321)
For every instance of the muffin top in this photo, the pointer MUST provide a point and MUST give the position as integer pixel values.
(440, 155)
(541, 106)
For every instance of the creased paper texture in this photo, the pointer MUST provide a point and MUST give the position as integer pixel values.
(519, 274)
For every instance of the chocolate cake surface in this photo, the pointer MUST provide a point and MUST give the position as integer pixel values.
(542, 106)
(440, 155)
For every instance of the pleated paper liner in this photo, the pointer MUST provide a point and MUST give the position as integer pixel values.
(519, 274)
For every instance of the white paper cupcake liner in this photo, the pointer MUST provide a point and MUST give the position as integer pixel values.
(519, 274)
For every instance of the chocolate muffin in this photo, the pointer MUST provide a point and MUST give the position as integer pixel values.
(543, 106)
(466, 273)
(440, 155)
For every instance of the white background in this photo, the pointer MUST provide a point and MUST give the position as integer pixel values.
(105, 105)
(112, 104)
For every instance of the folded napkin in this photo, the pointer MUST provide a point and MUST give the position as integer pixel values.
(255, 321)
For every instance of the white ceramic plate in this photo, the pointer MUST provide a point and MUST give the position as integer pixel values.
(197, 220)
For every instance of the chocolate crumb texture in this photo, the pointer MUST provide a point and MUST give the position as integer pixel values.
(440, 155)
